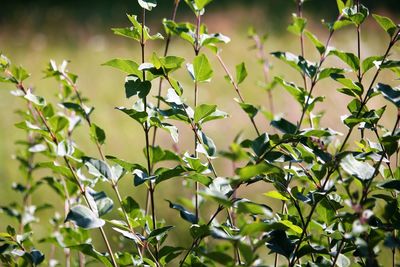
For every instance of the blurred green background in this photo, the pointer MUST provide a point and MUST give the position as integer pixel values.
(32, 32)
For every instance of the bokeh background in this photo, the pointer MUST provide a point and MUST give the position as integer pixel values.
(32, 32)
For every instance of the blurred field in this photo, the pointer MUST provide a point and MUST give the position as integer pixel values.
(88, 48)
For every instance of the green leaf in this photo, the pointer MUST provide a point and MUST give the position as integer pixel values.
(103, 203)
(370, 62)
(186, 31)
(19, 73)
(276, 195)
(218, 192)
(84, 217)
(140, 177)
(203, 111)
(202, 70)
(4, 61)
(35, 256)
(131, 207)
(126, 65)
(298, 25)
(97, 134)
(134, 86)
(356, 14)
(164, 174)
(247, 252)
(349, 58)
(390, 184)
(89, 250)
(352, 88)
(159, 232)
(248, 207)
(36, 100)
(361, 170)
(130, 167)
(206, 146)
(203, 179)
(211, 40)
(338, 24)
(147, 4)
(241, 73)
(297, 62)
(200, 4)
(279, 242)
(386, 23)
(139, 116)
(317, 43)
(58, 123)
(390, 64)
(135, 32)
(251, 171)
(77, 108)
(158, 154)
(98, 168)
(328, 72)
(250, 109)
(297, 92)
(186, 215)
(284, 125)
(391, 94)
(343, 261)
(340, 5)
(62, 170)
(291, 226)
(167, 64)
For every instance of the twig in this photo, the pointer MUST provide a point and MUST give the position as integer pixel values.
(236, 87)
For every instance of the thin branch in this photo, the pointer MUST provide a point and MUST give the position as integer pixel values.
(236, 87)
(146, 132)
(167, 43)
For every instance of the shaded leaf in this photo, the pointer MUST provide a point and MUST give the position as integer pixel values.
(186, 215)
(241, 73)
(84, 217)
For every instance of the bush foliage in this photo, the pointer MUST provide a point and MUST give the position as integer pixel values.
(338, 192)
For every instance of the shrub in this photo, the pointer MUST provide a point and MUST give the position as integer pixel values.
(339, 203)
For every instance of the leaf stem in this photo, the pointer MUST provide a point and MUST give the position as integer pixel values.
(146, 132)
(266, 67)
(341, 245)
(196, 95)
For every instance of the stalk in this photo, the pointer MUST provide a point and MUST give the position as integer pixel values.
(264, 59)
(314, 81)
(167, 43)
(300, 15)
(359, 76)
(236, 87)
(26, 200)
(146, 132)
(196, 92)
